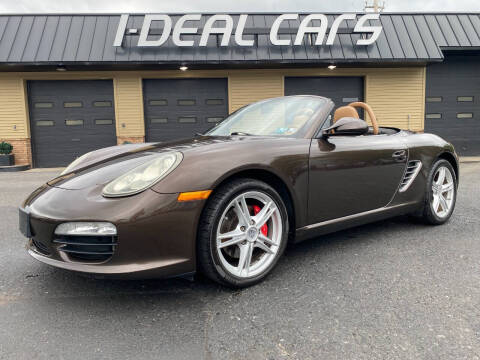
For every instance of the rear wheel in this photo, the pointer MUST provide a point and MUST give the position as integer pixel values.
(441, 193)
(243, 233)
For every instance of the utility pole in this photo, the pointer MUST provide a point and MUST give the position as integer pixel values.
(376, 6)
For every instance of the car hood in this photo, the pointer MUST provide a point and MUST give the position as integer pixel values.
(104, 165)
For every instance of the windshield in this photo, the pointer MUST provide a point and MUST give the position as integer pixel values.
(285, 116)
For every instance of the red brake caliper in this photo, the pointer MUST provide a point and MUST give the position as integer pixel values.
(264, 229)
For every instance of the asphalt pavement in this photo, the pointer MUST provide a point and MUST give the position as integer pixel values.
(389, 290)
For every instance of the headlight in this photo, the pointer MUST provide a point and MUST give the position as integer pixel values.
(143, 176)
(74, 163)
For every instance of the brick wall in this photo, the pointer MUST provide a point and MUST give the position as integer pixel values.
(130, 139)
(22, 150)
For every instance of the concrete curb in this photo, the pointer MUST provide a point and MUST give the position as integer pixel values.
(469, 159)
(59, 169)
(14, 168)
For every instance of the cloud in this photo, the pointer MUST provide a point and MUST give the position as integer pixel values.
(249, 6)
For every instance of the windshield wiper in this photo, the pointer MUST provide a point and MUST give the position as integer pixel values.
(240, 133)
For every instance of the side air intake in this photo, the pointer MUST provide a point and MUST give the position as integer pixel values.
(413, 168)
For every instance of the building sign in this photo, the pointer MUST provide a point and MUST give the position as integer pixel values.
(223, 25)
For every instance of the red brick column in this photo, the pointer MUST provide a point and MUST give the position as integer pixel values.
(22, 150)
(130, 139)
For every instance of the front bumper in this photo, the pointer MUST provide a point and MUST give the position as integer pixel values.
(155, 233)
(153, 269)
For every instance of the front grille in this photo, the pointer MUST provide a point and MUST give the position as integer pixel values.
(413, 168)
(87, 248)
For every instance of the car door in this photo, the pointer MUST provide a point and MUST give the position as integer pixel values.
(352, 174)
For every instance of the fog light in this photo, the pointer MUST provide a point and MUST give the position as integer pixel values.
(86, 228)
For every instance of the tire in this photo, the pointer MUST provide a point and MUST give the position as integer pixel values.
(246, 261)
(431, 211)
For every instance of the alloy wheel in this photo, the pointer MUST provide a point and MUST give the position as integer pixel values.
(249, 234)
(443, 189)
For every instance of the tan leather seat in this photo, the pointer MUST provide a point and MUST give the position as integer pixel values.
(350, 111)
(370, 113)
(345, 111)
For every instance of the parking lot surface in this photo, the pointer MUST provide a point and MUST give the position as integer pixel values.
(389, 290)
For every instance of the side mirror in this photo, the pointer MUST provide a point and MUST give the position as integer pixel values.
(346, 126)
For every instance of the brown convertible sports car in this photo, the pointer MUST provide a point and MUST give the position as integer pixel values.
(226, 202)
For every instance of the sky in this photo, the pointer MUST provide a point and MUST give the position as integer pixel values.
(249, 6)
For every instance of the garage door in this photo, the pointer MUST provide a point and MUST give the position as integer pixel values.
(452, 108)
(69, 118)
(342, 90)
(177, 108)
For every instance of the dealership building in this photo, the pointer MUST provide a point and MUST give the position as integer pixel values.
(73, 83)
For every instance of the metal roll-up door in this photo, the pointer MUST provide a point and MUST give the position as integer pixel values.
(341, 89)
(452, 97)
(178, 108)
(69, 118)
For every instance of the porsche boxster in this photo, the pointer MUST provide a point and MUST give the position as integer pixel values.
(227, 202)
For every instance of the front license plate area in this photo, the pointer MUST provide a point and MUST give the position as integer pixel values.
(24, 223)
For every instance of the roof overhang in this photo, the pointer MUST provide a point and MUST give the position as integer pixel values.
(231, 40)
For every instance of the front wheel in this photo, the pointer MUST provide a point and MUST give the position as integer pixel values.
(242, 233)
(441, 193)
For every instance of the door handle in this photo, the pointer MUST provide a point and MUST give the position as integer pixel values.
(399, 155)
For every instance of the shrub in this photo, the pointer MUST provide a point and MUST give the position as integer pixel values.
(5, 148)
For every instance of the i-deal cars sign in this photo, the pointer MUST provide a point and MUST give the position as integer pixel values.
(223, 24)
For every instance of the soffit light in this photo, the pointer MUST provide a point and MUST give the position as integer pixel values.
(183, 68)
(331, 67)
